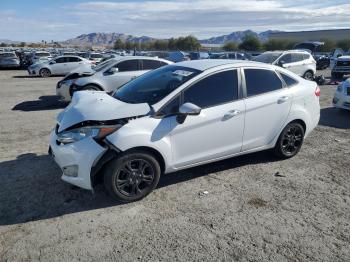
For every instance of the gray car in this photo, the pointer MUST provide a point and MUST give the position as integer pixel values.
(9, 60)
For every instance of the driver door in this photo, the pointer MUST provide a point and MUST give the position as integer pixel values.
(218, 130)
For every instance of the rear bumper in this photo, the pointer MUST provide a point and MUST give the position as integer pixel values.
(76, 160)
(341, 101)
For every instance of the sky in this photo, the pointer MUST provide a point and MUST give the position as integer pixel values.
(58, 20)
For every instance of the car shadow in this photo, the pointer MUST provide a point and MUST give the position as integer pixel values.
(31, 188)
(334, 117)
(43, 103)
(26, 76)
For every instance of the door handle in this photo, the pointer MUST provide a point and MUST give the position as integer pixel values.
(282, 99)
(232, 113)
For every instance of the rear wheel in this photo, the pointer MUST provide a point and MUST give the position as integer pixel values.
(290, 141)
(132, 176)
(90, 88)
(309, 75)
(45, 72)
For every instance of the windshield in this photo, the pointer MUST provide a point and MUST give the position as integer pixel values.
(96, 56)
(150, 88)
(267, 58)
(42, 54)
(7, 55)
(103, 65)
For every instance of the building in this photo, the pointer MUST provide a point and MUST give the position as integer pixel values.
(334, 34)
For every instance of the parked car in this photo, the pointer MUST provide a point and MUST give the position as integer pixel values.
(95, 57)
(311, 46)
(39, 57)
(61, 65)
(336, 53)
(341, 67)
(322, 61)
(180, 116)
(342, 95)
(299, 62)
(198, 55)
(178, 56)
(231, 55)
(9, 60)
(108, 77)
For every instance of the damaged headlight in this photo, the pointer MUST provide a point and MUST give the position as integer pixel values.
(97, 132)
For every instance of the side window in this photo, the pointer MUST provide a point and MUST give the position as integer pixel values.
(259, 81)
(306, 56)
(213, 90)
(297, 57)
(288, 80)
(240, 56)
(286, 59)
(150, 64)
(61, 60)
(73, 59)
(232, 56)
(128, 65)
(171, 108)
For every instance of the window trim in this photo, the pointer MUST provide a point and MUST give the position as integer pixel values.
(260, 68)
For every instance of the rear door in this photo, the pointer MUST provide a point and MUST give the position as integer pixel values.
(60, 67)
(73, 63)
(268, 105)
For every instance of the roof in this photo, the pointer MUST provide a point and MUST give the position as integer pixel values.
(206, 64)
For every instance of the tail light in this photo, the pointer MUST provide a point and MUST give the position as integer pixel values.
(317, 91)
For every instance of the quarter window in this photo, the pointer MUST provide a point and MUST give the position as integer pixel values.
(259, 81)
(73, 59)
(129, 65)
(213, 90)
(297, 57)
(288, 80)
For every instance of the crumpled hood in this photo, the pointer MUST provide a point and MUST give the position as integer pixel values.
(97, 106)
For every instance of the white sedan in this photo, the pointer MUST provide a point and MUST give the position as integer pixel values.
(342, 95)
(179, 116)
(61, 65)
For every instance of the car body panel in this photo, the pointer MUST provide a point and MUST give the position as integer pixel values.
(341, 97)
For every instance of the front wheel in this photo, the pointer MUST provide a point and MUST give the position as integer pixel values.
(45, 72)
(290, 141)
(132, 176)
(309, 75)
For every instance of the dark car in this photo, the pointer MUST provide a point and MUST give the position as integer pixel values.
(322, 62)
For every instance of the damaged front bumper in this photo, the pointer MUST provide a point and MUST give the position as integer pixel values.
(76, 160)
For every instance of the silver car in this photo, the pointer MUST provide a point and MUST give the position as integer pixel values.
(107, 76)
(61, 65)
(299, 62)
(9, 60)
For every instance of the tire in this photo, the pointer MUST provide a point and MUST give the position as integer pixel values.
(309, 75)
(138, 173)
(45, 72)
(90, 88)
(290, 141)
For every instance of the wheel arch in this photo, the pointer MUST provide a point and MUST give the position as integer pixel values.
(95, 85)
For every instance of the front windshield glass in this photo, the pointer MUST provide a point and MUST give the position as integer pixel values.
(267, 58)
(150, 88)
(103, 65)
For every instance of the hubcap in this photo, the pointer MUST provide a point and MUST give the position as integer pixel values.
(134, 177)
(292, 140)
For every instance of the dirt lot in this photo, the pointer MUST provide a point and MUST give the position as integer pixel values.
(256, 209)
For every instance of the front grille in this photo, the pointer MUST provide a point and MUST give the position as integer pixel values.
(343, 63)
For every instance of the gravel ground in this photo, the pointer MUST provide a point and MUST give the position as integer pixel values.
(257, 208)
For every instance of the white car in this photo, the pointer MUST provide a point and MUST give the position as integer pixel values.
(61, 65)
(39, 57)
(180, 116)
(96, 57)
(107, 76)
(299, 62)
(342, 95)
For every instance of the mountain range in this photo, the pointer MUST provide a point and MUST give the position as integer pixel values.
(108, 39)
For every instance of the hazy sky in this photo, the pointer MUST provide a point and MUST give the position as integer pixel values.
(35, 20)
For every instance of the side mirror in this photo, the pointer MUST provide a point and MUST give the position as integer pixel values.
(113, 70)
(52, 62)
(281, 63)
(187, 109)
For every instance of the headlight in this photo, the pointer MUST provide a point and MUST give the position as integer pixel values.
(75, 135)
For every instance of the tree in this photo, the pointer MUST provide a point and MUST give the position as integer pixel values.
(230, 46)
(3, 45)
(250, 43)
(22, 44)
(129, 45)
(344, 44)
(119, 44)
